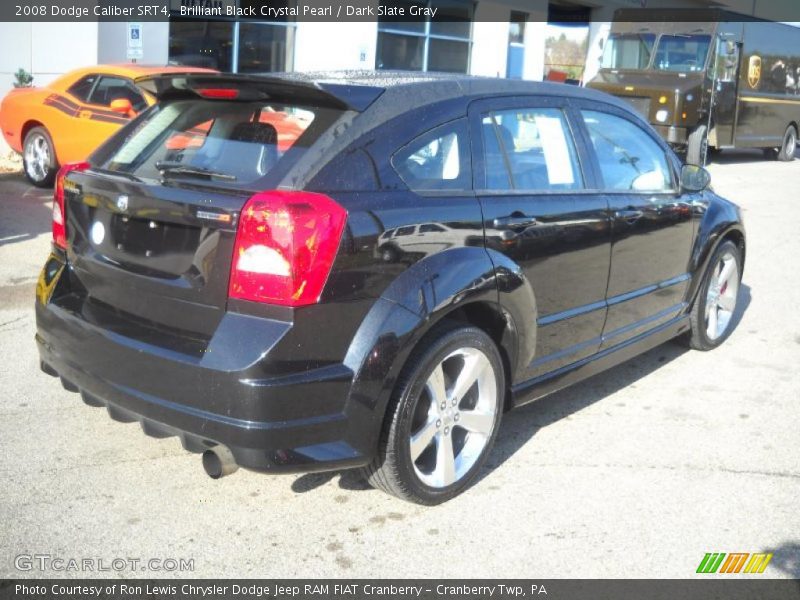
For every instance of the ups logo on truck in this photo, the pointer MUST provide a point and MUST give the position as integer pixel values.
(754, 71)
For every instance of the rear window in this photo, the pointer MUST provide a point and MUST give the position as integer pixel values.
(228, 143)
(438, 160)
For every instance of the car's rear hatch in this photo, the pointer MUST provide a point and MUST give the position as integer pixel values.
(158, 253)
(151, 225)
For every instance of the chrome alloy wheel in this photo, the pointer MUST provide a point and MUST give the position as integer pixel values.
(723, 290)
(37, 157)
(454, 417)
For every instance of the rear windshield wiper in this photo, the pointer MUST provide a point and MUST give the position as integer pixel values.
(173, 168)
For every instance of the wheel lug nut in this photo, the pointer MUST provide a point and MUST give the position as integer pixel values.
(443, 405)
(438, 423)
(455, 418)
(446, 430)
(454, 402)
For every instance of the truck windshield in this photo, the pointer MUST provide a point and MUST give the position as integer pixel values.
(628, 51)
(682, 52)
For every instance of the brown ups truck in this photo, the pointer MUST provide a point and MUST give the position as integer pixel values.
(707, 79)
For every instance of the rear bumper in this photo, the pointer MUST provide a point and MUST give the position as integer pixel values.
(223, 395)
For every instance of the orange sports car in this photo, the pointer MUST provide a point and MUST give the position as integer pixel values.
(65, 121)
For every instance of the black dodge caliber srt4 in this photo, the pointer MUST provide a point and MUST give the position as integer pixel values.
(296, 273)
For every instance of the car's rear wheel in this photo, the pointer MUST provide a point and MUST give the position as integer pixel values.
(39, 158)
(443, 418)
(712, 315)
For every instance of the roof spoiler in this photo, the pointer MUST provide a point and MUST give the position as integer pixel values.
(224, 86)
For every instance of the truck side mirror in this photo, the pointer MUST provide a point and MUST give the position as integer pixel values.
(694, 178)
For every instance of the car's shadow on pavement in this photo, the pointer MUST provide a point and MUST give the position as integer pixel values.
(25, 211)
(787, 559)
(519, 426)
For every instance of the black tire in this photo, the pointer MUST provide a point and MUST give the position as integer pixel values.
(697, 146)
(699, 338)
(787, 150)
(789, 146)
(389, 254)
(393, 469)
(39, 158)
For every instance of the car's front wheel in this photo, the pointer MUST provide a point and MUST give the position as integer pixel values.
(443, 418)
(713, 312)
(39, 158)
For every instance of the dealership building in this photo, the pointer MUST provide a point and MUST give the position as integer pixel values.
(496, 38)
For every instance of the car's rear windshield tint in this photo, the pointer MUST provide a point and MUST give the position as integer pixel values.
(230, 143)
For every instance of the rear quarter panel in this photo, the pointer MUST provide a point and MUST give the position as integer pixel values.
(77, 129)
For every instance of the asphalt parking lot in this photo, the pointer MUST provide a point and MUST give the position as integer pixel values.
(637, 472)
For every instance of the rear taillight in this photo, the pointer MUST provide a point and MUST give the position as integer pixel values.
(59, 208)
(286, 243)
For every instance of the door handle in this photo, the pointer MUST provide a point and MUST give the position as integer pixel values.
(514, 222)
(629, 216)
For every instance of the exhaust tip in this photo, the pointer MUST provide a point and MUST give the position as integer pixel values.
(219, 462)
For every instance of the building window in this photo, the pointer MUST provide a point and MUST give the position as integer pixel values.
(515, 62)
(516, 27)
(206, 44)
(410, 43)
(265, 47)
(244, 47)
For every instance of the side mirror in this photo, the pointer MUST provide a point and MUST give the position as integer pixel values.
(122, 106)
(694, 178)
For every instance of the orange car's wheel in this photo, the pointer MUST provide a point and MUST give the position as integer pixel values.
(39, 158)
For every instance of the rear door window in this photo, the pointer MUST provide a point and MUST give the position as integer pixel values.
(438, 160)
(530, 149)
(229, 143)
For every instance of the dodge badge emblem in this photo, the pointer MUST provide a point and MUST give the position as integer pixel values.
(122, 203)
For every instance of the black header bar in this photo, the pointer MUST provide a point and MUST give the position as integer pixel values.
(352, 10)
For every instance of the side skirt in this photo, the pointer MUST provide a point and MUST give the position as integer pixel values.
(541, 386)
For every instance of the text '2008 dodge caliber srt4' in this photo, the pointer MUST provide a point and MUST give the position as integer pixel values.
(429, 252)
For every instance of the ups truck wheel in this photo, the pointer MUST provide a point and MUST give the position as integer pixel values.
(697, 146)
(786, 153)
